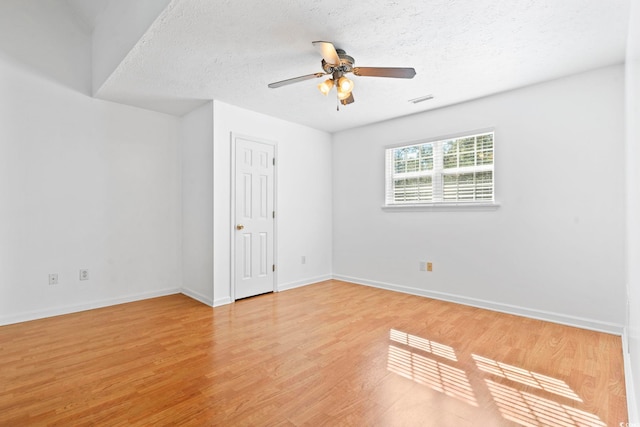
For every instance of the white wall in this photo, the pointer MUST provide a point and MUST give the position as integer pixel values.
(196, 144)
(44, 35)
(633, 206)
(555, 247)
(84, 183)
(303, 203)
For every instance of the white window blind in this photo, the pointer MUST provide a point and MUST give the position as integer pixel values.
(455, 170)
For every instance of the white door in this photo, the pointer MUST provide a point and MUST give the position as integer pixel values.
(254, 218)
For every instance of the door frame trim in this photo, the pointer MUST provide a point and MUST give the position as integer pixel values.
(232, 247)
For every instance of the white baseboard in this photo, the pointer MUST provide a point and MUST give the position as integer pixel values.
(57, 311)
(198, 296)
(305, 282)
(632, 405)
(221, 301)
(578, 322)
(279, 288)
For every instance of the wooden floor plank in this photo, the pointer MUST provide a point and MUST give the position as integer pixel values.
(332, 353)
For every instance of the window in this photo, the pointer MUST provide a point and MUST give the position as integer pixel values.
(449, 171)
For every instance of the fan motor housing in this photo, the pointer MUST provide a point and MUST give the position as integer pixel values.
(346, 63)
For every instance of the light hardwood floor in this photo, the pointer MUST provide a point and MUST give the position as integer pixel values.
(330, 354)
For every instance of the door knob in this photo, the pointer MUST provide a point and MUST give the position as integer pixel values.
(239, 227)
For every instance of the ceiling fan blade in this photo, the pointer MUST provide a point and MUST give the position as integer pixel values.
(401, 73)
(295, 80)
(348, 100)
(328, 51)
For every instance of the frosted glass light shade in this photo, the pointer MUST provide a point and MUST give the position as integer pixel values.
(325, 86)
(345, 84)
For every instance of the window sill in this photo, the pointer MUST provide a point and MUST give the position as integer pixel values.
(443, 207)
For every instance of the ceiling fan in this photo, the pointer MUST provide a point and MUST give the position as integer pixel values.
(337, 63)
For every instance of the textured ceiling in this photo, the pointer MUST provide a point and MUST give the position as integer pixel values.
(230, 50)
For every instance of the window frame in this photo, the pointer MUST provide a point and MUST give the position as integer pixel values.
(437, 176)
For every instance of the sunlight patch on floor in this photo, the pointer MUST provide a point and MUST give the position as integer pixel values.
(427, 363)
(423, 344)
(530, 410)
(526, 377)
(431, 373)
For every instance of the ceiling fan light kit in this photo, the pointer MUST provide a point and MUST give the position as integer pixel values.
(344, 84)
(337, 63)
(344, 88)
(325, 86)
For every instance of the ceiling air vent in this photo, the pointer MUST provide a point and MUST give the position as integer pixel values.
(421, 99)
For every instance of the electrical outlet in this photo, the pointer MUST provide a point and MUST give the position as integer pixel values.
(303, 259)
(53, 279)
(422, 266)
(429, 266)
(84, 274)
